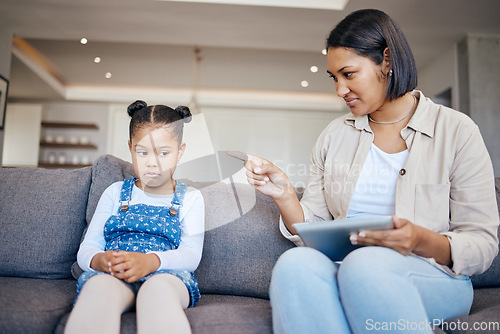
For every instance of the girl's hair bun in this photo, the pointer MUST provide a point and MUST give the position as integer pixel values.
(185, 113)
(135, 107)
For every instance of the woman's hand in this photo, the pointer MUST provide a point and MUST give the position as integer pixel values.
(407, 238)
(128, 266)
(264, 176)
(273, 182)
(403, 238)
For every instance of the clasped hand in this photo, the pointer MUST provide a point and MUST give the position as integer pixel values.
(128, 266)
(403, 238)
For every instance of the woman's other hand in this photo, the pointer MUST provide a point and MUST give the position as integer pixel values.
(407, 238)
(403, 238)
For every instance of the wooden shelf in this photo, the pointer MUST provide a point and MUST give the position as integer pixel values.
(68, 145)
(56, 165)
(62, 125)
(61, 147)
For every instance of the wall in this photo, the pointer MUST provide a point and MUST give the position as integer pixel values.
(22, 135)
(5, 60)
(283, 137)
(440, 75)
(472, 70)
(479, 78)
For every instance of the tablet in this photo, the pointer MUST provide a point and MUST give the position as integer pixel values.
(332, 237)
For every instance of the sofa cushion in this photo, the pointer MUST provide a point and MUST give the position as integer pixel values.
(214, 314)
(31, 305)
(490, 277)
(485, 298)
(230, 314)
(485, 321)
(42, 217)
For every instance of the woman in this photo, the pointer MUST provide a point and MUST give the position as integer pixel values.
(396, 153)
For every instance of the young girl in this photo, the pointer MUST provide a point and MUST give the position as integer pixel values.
(146, 237)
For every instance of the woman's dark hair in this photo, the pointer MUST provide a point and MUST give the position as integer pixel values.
(158, 116)
(368, 32)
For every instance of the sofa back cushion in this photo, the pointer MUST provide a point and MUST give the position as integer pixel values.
(42, 217)
(106, 170)
(490, 277)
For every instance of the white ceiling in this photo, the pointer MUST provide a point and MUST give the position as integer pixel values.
(149, 44)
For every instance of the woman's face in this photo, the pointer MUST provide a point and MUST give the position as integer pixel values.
(358, 80)
(155, 153)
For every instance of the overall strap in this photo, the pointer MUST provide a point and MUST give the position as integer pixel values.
(180, 191)
(126, 193)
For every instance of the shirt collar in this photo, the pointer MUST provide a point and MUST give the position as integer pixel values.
(423, 120)
(358, 122)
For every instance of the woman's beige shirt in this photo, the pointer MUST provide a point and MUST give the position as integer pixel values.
(446, 185)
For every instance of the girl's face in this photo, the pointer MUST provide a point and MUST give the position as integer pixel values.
(358, 80)
(155, 153)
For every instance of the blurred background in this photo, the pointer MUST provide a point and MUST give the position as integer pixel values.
(253, 73)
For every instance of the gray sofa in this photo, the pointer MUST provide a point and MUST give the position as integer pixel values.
(43, 214)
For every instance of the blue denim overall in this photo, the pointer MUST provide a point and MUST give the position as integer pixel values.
(146, 228)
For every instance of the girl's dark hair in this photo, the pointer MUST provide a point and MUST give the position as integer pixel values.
(368, 32)
(158, 116)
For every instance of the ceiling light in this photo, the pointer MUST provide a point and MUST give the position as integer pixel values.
(83, 41)
(108, 75)
(304, 83)
(323, 52)
(316, 4)
(314, 69)
(97, 60)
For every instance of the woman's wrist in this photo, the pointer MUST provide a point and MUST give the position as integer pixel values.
(431, 244)
(290, 209)
(286, 195)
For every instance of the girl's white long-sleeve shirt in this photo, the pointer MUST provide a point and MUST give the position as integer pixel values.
(192, 223)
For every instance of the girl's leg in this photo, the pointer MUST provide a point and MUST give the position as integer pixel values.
(99, 306)
(385, 292)
(161, 301)
(304, 294)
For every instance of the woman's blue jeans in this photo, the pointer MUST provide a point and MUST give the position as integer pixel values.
(374, 290)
